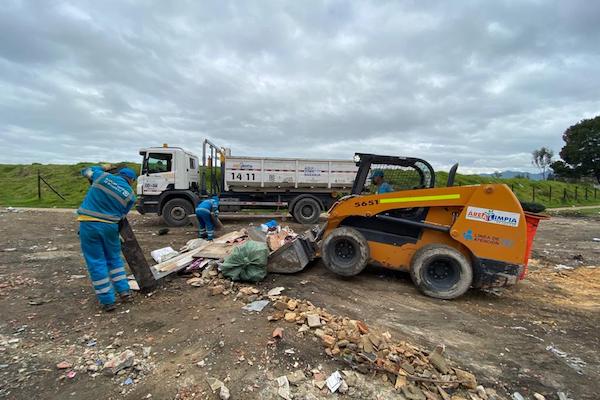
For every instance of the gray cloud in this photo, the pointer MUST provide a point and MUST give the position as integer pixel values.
(482, 83)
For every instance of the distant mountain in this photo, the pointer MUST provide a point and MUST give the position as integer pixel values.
(513, 174)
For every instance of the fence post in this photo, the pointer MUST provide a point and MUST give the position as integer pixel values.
(550, 194)
(39, 186)
(586, 193)
(512, 187)
(565, 194)
(576, 192)
(595, 190)
(533, 193)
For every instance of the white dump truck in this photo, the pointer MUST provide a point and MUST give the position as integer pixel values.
(173, 181)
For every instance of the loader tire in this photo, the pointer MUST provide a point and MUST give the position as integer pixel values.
(306, 210)
(441, 271)
(176, 211)
(345, 251)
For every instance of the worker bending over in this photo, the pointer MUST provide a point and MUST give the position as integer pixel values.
(107, 201)
(205, 211)
(382, 186)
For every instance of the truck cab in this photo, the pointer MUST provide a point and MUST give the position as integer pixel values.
(168, 183)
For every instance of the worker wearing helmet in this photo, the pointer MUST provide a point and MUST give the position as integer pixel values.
(205, 211)
(107, 201)
(378, 180)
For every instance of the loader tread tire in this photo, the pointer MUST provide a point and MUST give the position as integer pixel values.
(441, 271)
(345, 252)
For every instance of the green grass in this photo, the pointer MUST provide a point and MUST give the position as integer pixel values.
(18, 185)
(581, 213)
(523, 188)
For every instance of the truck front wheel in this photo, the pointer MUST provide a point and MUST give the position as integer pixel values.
(307, 210)
(175, 212)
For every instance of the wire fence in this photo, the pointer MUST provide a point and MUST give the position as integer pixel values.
(541, 193)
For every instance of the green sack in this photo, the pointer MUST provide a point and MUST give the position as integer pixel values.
(247, 262)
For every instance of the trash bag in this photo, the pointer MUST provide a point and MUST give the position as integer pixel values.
(247, 262)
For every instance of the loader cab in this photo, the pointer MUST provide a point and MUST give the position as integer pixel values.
(401, 173)
(167, 168)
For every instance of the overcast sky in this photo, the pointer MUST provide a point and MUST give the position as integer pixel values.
(482, 83)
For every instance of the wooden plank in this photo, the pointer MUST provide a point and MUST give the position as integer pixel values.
(181, 259)
(135, 257)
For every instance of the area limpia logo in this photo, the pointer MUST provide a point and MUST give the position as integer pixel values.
(493, 216)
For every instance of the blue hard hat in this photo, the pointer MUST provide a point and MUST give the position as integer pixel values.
(377, 173)
(215, 199)
(128, 173)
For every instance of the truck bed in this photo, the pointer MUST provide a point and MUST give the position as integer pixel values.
(247, 173)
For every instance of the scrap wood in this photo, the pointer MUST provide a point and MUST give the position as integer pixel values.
(214, 250)
(231, 237)
(174, 264)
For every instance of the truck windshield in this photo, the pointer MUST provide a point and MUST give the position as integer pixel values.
(157, 162)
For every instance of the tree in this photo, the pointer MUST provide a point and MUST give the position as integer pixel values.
(497, 174)
(581, 152)
(542, 158)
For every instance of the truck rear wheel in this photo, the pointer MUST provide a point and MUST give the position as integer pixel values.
(175, 212)
(306, 210)
(441, 271)
(345, 251)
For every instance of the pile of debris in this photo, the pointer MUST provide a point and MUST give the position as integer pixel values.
(125, 367)
(416, 373)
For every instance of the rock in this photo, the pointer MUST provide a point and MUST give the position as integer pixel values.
(362, 327)
(296, 377)
(411, 392)
(63, 365)
(438, 361)
(342, 343)
(275, 291)
(407, 367)
(146, 351)
(481, 392)
(538, 396)
(343, 387)
(517, 396)
(278, 332)
(280, 305)
(303, 328)
(328, 340)
(224, 393)
(215, 290)
(214, 384)
(320, 384)
(248, 290)
(292, 304)
(319, 333)
(195, 281)
(290, 317)
(116, 364)
(313, 320)
(469, 380)
(401, 381)
(283, 388)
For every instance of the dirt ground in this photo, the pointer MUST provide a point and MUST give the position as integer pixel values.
(539, 336)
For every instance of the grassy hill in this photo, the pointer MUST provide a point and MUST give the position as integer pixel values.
(19, 184)
(19, 187)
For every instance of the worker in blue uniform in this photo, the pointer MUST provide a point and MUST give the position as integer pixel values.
(205, 211)
(378, 180)
(108, 200)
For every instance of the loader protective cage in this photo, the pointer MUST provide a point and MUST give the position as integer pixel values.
(402, 173)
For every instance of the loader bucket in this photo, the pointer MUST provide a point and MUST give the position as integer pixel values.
(532, 221)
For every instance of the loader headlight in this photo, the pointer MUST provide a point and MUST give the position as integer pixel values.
(356, 158)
